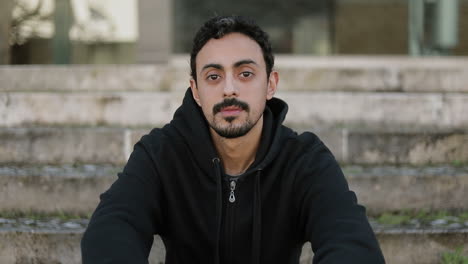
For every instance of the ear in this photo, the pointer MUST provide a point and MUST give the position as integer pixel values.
(193, 87)
(272, 84)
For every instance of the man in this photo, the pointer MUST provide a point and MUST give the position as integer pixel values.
(225, 181)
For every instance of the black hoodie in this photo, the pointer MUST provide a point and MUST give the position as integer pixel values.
(174, 185)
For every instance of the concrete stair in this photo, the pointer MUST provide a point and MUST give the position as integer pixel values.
(297, 73)
(322, 92)
(399, 127)
(65, 144)
(75, 188)
(317, 109)
(57, 241)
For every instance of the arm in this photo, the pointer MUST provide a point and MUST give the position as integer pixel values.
(330, 217)
(122, 227)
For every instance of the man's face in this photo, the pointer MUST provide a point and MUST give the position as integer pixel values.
(232, 85)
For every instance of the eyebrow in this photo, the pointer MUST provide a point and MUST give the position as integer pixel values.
(236, 65)
(242, 62)
(212, 65)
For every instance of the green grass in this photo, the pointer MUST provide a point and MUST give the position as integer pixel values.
(43, 215)
(454, 257)
(393, 219)
(457, 163)
(404, 217)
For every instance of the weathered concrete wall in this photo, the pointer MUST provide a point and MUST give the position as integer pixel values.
(297, 73)
(76, 189)
(63, 188)
(388, 188)
(399, 246)
(66, 145)
(397, 125)
(114, 145)
(40, 247)
(416, 93)
(319, 109)
(419, 246)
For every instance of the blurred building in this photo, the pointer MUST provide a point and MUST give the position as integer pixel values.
(146, 31)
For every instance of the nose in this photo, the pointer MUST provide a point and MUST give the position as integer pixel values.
(230, 88)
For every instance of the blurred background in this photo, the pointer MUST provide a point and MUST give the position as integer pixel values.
(384, 84)
(146, 31)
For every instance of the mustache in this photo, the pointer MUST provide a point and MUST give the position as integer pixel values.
(230, 102)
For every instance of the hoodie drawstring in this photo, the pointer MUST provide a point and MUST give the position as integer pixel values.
(219, 201)
(257, 220)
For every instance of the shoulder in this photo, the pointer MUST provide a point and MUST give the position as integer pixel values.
(159, 139)
(316, 169)
(309, 151)
(307, 142)
(309, 139)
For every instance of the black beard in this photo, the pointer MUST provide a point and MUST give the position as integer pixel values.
(233, 132)
(229, 119)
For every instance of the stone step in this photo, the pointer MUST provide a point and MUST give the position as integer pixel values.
(58, 241)
(306, 109)
(402, 246)
(87, 108)
(71, 189)
(297, 73)
(76, 189)
(391, 188)
(101, 145)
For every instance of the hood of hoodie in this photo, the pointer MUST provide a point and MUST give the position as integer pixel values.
(192, 126)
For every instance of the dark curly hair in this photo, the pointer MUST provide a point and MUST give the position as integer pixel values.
(219, 26)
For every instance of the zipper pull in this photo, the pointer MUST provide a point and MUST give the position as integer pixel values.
(232, 197)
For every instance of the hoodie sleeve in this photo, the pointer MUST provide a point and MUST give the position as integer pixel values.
(330, 217)
(122, 226)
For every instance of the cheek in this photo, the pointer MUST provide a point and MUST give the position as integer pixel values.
(261, 90)
(204, 100)
(209, 97)
(207, 107)
(258, 96)
(257, 107)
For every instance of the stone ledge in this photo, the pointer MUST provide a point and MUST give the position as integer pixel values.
(400, 246)
(85, 108)
(76, 189)
(66, 188)
(297, 73)
(395, 188)
(108, 145)
(48, 145)
(84, 78)
(306, 109)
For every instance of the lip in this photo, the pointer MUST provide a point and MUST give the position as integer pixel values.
(231, 110)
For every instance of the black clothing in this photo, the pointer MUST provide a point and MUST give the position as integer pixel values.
(174, 185)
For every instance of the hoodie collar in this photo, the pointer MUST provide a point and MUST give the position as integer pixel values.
(191, 124)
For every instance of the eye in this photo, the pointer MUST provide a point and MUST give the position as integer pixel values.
(213, 77)
(246, 74)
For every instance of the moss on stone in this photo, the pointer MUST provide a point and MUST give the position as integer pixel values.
(405, 217)
(454, 257)
(37, 215)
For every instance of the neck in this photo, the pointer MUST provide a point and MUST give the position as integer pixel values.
(237, 154)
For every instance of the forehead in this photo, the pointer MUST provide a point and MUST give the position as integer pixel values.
(230, 49)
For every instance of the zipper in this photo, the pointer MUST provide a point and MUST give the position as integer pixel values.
(230, 215)
(232, 195)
